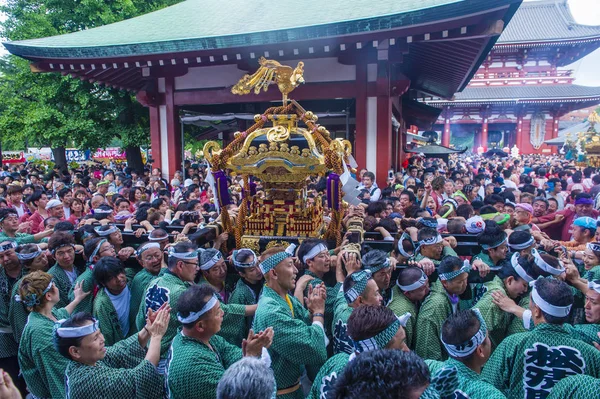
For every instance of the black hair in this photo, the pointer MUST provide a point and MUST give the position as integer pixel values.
(477, 205)
(4, 212)
(90, 247)
(62, 192)
(456, 226)
(465, 210)
(64, 225)
(60, 238)
(34, 197)
(519, 237)
(157, 203)
(460, 328)
(487, 209)
(180, 247)
(375, 207)
(450, 264)
(369, 320)
(62, 344)
(243, 256)
(192, 204)
(193, 300)
(27, 249)
(107, 268)
(374, 258)
(306, 246)
(556, 293)
(389, 224)
(491, 234)
(383, 374)
(411, 196)
(493, 199)
(409, 275)
(426, 233)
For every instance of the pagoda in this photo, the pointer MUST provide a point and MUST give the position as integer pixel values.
(368, 58)
(522, 89)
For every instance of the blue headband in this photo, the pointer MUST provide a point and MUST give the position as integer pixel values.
(269, 264)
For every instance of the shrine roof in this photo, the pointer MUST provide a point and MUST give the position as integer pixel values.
(200, 25)
(435, 149)
(522, 94)
(543, 21)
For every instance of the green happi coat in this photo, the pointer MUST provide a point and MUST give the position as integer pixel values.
(17, 313)
(108, 319)
(586, 332)
(19, 238)
(496, 320)
(8, 345)
(296, 342)
(62, 282)
(327, 377)
(342, 343)
(400, 305)
(167, 288)
(138, 286)
(531, 363)
(194, 369)
(470, 384)
(516, 324)
(477, 284)
(434, 311)
(592, 274)
(122, 374)
(447, 251)
(88, 284)
(244, 295)
(576, 387)
(41, 365)
(233, 326)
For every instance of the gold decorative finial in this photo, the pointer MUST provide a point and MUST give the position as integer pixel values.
(270, 71)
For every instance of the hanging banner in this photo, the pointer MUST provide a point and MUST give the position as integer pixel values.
(77, 155)
(13, 157)
(538, 130)
(113, 154)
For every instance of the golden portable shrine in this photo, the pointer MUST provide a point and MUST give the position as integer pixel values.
(282, 155)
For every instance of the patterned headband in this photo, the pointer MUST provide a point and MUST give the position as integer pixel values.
(514, 261)
(96, 250)
(376, 268)
(212, 261)
(191, 255)
(466, 348)
(62, 246)
(75, 332)
(193, 316)
(414, 286)
(30, 256)
(431, 241)
(380, 340)
(454, 274)
(244, 265)
(523, 245)
(428, 223)
(152, 238)
(593, 246)
(542, 264)
(360, 278)
(403, 237)
(31, 300)
(7, 246)
(268, 264)
(107, 232)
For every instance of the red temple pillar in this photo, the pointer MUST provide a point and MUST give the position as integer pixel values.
(155, 136)
(360, 135)
(173, 125)
(446, 132)
(384, 122)
(484, 133)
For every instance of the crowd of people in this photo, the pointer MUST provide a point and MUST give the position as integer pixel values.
(491, 287)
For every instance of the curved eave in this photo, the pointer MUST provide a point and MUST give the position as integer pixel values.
(456, 10)
(516, 101)
(427, 150)
(549, 42)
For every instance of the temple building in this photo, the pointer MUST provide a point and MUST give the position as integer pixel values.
(523, 88)
(360, 58)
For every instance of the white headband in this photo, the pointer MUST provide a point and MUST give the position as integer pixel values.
(593, 285)
(455, 273)
(541, 263)
(416, 285)
(7, 245)
(514, 261)
(291, 249)
(405, 236)
(151, 238)
(552, 310)
(193, 316)
(104, 233)
(316, 250)
(467, 348)
(212, 261)
(76, 332)
(146, 246)
(524, 245)
(243, 265)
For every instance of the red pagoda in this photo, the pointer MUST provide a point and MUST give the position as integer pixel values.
(522, 88)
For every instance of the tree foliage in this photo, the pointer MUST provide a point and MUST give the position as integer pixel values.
(48, 109)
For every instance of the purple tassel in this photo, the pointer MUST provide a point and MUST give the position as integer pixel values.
(222, 194)
(333, 191)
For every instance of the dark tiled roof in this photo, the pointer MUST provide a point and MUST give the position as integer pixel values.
(545, 20)
(522, 93)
